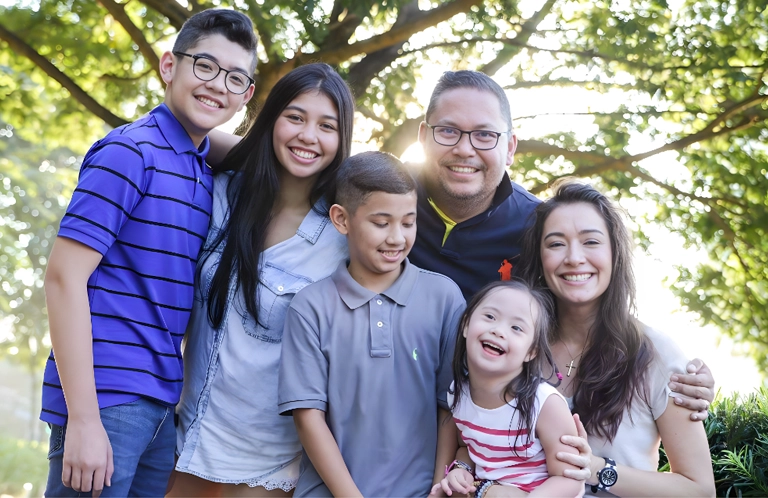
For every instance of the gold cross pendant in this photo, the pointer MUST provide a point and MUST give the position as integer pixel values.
(570, 367)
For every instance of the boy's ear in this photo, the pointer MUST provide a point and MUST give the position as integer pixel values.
(340, 218)
(246, 97)
(167, 63)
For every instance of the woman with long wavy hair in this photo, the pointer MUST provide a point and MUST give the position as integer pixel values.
(616, 369)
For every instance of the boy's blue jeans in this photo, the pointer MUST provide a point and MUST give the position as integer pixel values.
(143, 439)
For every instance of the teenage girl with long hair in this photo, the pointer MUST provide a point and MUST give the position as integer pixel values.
(509, 419)
(270, 236)
(616, 369)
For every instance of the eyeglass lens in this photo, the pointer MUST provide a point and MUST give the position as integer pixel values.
(206, 70)
(479, 139)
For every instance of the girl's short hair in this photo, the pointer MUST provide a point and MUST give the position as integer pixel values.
(522, 388)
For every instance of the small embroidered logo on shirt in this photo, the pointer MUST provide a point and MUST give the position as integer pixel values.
(415, 354)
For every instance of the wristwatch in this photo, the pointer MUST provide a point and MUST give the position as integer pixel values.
(606, 477)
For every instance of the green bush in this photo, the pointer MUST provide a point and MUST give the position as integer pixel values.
(22, 462)
(737, 430)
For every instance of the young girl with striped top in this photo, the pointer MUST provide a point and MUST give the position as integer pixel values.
(507, 418)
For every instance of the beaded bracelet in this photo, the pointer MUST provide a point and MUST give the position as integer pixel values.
(482, 487)
(462, 465)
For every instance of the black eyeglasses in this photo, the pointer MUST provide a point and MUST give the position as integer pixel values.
(207, 69)
(479, 139)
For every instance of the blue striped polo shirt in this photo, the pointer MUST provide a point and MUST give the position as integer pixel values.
(143, 201)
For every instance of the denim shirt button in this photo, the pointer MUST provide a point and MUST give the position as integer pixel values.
(380, 324)
(280, 288)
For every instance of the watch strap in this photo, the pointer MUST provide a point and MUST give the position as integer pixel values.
(606, 477)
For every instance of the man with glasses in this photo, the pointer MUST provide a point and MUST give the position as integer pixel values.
(471, 215)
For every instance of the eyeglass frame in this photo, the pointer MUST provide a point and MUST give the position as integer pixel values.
(227, 71)
(469, 133)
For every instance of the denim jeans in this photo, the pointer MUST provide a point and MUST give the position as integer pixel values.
(143, 440)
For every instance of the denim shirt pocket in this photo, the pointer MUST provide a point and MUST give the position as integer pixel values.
(276, 290)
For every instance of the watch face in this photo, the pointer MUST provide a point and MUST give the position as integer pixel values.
(608, 477)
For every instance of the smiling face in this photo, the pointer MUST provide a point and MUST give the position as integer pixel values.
(576, 255)
(500, 334)
(200, 106)
(306, 135)
(460, 173)
(380, 234)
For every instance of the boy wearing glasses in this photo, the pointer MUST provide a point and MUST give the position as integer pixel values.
(119, 280)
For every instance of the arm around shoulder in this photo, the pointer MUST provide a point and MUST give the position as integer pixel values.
(221, 144)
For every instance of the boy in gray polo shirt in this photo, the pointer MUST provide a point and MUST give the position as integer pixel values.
(366, 359)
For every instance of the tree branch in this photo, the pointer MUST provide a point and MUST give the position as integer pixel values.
(340, 30)
(114, 77)
(361, 74)
(424, 20)
(175, 13)
(617, 113)
(527, 29)
(402, 137)
(370, 115)
(540, 148)
(259, 18)
(117, 11)
(20, 47)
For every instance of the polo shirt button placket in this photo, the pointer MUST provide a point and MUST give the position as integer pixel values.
(378, 301)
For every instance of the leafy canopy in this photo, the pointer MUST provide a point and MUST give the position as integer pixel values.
(691, 77)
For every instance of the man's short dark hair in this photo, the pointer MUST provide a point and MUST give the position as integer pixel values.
(451, 80)
(231, 24)
(363, 174)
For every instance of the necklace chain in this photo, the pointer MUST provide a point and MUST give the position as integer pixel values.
(570, 366)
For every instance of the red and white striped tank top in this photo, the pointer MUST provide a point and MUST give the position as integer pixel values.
(491, 435)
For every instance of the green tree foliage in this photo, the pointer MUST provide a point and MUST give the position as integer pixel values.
(22, 463)
(691, 74)
(35, 187)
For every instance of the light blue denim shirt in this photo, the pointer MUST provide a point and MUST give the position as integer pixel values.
(229, 428)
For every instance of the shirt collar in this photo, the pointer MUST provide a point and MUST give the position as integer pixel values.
(503, 191)
(315, 221)
(175, 134)
(355, 295)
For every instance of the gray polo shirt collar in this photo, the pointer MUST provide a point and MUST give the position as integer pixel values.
(355, 295)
